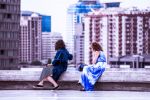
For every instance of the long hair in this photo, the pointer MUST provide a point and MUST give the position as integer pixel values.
(96, 46)
(59, 44)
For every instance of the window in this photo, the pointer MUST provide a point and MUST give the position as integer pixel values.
(2, 6)
(1, 52)
(11, 60)
(10, 53)
(9, 16)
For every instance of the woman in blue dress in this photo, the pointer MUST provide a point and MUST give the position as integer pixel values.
(92, 73)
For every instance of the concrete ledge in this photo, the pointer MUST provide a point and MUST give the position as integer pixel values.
(112, 79)
(110, 75)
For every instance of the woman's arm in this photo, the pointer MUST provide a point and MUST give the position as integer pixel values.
(57, 58)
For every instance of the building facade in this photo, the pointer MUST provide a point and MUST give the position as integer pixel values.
(75, 13)
(53, 38)
(9, 33)
(79, 44)
(95, 31)
(46, 20)
(46, 23)
(48, 44)
(120, 31)
(31, 40)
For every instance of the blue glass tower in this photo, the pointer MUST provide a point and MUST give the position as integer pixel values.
(112, 4)
(83, 7)
(75, 14)
(46, 23)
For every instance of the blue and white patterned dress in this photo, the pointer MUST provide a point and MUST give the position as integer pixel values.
(93, 72)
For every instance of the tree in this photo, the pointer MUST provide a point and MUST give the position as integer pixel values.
(36, 62)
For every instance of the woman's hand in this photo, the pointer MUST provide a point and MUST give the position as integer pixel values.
(96, 54)
(48, 65)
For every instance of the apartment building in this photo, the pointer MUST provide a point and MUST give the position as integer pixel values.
(9, 33)
(31, 38)
(120, 32)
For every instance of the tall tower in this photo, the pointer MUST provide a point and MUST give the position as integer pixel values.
(46, 20)
(75, 14)
(31, 38)
(9, 33)
(120, 32)
(46, 23)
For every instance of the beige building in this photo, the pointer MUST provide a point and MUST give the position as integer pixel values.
(9, 33)
(31, 38)
(120, 32)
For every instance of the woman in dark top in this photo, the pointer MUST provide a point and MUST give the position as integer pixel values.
(60, 61)
(59, 65)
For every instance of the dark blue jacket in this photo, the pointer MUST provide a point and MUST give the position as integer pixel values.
(60, 62)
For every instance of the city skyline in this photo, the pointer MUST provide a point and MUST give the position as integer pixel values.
(53, 8)
(130, 37)
(49, 7)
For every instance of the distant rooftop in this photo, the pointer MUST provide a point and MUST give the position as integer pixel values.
(130, 58)
(29, 13)
(84, 7)
(112, 4)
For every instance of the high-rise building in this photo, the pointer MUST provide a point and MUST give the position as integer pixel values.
(95, 31)
(79, 44)
(48, 44)
(46, 20)
(53, 38)
(9, 33)
(34, 24)
(74, 16)
(120, 32)
(31, 40)
(46, 23)
(111, 3)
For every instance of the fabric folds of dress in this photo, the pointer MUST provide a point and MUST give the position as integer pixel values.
(93, 72)
(47, 71)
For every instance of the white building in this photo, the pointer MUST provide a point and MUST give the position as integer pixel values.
(48, 44)
(53, 38)
(30, 49)
(95, 30)
(120, 32)
(79, 44)
(75, 14)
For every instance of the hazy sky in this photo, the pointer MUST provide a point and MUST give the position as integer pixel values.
(57, 9)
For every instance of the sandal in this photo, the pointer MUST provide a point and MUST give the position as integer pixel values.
(38, 86)
(55, 87)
